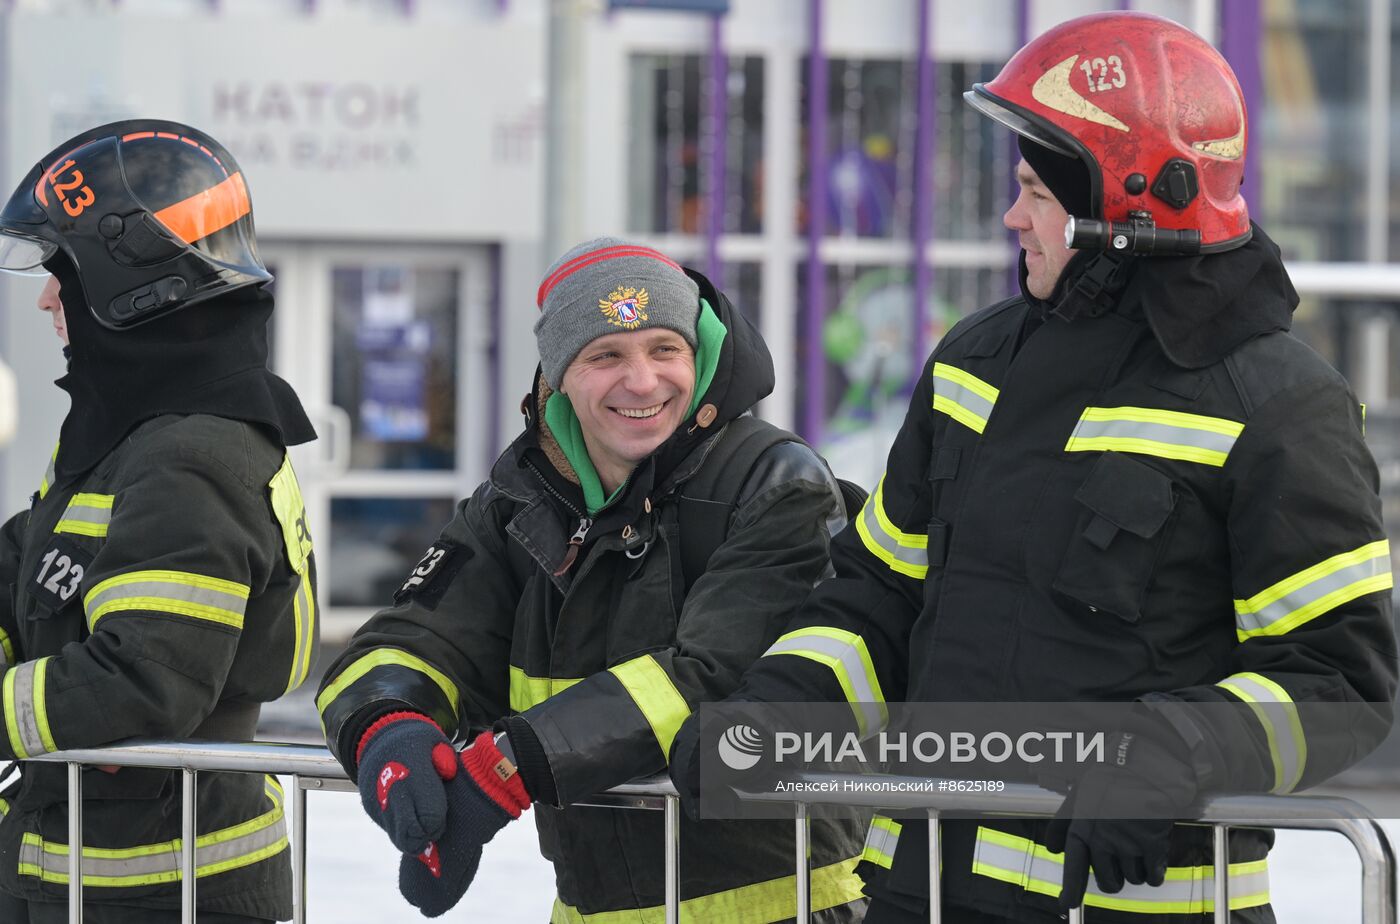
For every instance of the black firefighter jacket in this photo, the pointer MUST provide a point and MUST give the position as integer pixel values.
(165, 593)
(606, 659)
(1069, 515)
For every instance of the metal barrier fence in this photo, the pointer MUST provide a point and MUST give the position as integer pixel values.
(312, 767)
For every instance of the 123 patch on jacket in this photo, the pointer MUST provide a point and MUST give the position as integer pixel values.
(433, 574)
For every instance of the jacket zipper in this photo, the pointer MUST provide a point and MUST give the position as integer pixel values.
(575, 543)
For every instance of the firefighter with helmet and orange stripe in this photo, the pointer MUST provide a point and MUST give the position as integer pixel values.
(1127, 484)
(162, 583)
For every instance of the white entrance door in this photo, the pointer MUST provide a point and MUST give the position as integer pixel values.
(389, 348)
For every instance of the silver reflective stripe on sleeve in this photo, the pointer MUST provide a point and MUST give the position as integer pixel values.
(1302, 597)
(177, 592)
(26, 714)
(1278, 714)
(847, 657)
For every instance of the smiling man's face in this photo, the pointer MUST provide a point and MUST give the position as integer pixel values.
(1039, 222)
(630, 391)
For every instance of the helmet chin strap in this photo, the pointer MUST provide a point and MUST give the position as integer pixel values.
(1097, 288)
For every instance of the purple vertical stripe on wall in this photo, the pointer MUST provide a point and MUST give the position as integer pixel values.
(1023, 35)
(813, 361)
(1241, 35)
(719, 147)
(494, 367)
(924, 154)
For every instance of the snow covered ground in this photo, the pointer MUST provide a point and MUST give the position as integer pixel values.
(1315, 876)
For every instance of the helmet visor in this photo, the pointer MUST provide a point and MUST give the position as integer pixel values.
(23, 255)
(984, 103)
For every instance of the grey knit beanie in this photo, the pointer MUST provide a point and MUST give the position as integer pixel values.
(606, 286)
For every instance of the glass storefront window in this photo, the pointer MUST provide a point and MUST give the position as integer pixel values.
(670, 146)
(972, 173)
(376, 541)
(1310, 138)
(743, 283)
(869, 148)
(869, 364)
(395, 364)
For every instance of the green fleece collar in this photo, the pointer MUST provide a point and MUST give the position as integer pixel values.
(559, 413)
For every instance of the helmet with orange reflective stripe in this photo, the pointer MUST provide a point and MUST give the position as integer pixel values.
(154, 216)
(1151, 109)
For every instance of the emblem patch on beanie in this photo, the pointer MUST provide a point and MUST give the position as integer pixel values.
(626, 307)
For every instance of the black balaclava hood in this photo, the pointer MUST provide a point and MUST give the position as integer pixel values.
(1066, 177)
(209, 358)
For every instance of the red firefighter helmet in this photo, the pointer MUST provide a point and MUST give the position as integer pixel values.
(1151, 109)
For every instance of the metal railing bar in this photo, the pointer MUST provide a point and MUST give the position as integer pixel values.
(298, 852)
(673, 860)
(75, 843)
(802, 830)
(935, 869)
(189, 811)
(313, 767)
(1220, 835)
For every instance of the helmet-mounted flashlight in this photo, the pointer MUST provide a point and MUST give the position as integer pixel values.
(1138, 236)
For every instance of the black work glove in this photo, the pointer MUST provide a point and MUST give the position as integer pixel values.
(481, 800)
(721, 782)
(1147, 772)
(404, 760)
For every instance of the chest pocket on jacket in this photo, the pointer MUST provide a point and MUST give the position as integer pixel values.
(1109, 557)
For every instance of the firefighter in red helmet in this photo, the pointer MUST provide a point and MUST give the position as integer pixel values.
(1127, 484)
(162, 581)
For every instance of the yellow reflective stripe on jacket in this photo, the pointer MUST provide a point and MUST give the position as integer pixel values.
(881, 840)
(1154, 432)
(904, 553)
(26, 709)
(48, 475)
(655, 694)
(1185, 890)
(179, 592)
(527, 691)
(1278, 714)
(385, 657)
(87, 515)
(1304, 596)
(962, 396)
(7, 650)
(290, 510)
(759, 903)
(152, 864)
(304, 620)
(845, 653)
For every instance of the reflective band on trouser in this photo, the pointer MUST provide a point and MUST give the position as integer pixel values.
(655, 693)
(1279, 716)
(1308, 594)
(527, 691)
(1154, 432)
(26, 715)
(760, 903)
(152, 864)
(48, 475)
(87, 515)
(881, 840)
(304, 617)
(384, 657)
(962, 396)
(179, 592)
(904, 553)
(1186, 890)
(845, 653)
(7, 650)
